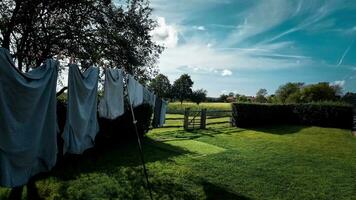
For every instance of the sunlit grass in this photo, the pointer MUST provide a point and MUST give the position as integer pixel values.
(221, 162)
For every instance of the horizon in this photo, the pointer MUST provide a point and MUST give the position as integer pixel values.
(245, 48)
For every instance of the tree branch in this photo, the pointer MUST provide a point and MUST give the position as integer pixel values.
(61, 91)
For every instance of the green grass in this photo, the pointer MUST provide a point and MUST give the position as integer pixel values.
(176, 120)
(222, 162)
(177, 107)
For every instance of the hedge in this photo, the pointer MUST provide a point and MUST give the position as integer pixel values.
(312, 114)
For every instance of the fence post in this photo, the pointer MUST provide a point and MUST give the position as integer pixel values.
(186, 118)
(203, 119)
(354, 121)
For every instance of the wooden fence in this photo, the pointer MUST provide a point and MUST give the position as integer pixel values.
(198, 119)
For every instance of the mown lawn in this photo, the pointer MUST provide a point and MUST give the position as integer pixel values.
(222, 162)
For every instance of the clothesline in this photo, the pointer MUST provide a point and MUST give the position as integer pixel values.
(105, 68)
(23, 120)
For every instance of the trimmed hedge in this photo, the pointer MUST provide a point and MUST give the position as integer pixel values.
(312, 114)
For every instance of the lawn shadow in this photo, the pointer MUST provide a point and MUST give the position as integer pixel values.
(278, 129)
(111, 155)
(215, 192)
(105, 157)
(197, 133)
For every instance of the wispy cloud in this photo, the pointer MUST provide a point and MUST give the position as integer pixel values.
(316, 16)
(179, 11)
(201, 57)
(345, 53)
(251, 39)
(260, 18)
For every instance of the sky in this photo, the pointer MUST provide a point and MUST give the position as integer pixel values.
(241, 46)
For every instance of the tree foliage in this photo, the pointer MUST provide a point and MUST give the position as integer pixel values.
(92, 31)
(261, 96)
(350, 98)
(286, 93)
(223, 97)
(161, 86)
(301, 93)
(318, 92)
(182, 87)
(198, 96)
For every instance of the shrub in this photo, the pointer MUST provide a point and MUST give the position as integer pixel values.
(313, 114)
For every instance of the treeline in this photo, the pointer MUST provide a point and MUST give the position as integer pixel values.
(291, 93)
(180, 90)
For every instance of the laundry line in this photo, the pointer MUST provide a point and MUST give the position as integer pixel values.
(28, 119)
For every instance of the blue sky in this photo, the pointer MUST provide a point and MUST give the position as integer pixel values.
(241, 46)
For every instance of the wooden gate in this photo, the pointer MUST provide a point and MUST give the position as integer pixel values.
(200, 119)
(193, 119)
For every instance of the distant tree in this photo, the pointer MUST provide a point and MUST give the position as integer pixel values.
(198, 96)
(285, 91)
(161, 86)
(261, 96)
(318, 92)
(182, 88)
(295, 97)
(212, 99)
(272, 99)
(338, 90)
(231, 94)
(243, 98)
(223, 97)
(350, 98)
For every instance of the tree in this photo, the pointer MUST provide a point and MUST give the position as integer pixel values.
(272, 99)
(182, 88)
(261, 96)
(243, 98)
(318, 92)
(350, 98)
(92, 31)
(223, 97)
(198, 96)
(284, 92)
(161, 86)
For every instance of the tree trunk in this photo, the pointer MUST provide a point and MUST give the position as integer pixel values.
(10, 27)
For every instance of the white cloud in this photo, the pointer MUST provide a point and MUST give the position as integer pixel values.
(200, 28)
(226, 72)
(195, 57)
(340, 83)
(224, 92)
(165, 34)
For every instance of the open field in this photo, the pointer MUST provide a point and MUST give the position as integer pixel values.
(222, 162)
(176, 120)
(177, 107)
